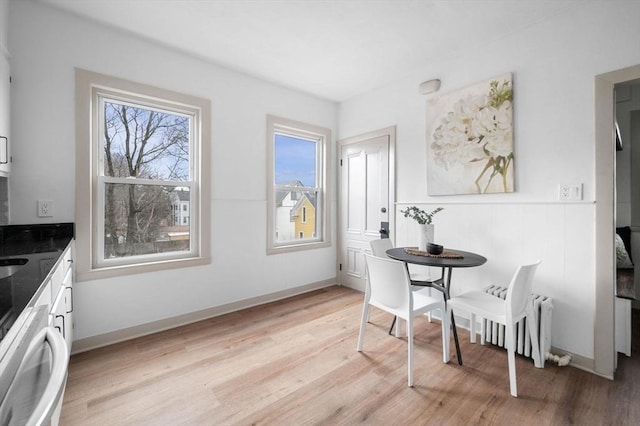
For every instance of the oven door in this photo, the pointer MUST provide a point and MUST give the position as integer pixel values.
(34, 396)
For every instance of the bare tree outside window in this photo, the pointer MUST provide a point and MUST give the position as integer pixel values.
(143, 152)
(150, 148)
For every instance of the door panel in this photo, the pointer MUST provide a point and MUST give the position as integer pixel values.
(364, 201)
(376, 191)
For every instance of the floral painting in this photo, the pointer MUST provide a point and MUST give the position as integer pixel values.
(470, 139)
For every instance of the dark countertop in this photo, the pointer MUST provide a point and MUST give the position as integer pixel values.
(42, 245)
(41, 238)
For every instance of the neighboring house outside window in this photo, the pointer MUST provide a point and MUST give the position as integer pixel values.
(303, 215)
(141, 152)
(180, 206)
(297, 189)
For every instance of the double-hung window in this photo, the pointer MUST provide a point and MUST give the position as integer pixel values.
(297, 185)
(141, 153)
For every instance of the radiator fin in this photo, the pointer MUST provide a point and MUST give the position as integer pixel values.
(494, 333)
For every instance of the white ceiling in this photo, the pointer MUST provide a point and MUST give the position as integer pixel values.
(334, 49)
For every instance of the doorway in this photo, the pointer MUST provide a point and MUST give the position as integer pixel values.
(604, 344)
(366, 200)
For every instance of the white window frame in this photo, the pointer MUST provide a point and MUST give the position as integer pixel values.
(322, 135)
(91, 91)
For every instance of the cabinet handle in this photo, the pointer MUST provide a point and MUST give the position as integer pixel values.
(4, 151)
(63, 327)
(71, 293)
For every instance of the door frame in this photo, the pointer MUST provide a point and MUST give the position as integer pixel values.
(604, 351)
(390, 132)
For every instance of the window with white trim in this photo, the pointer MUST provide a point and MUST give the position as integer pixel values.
(297, 185)
(141, 150)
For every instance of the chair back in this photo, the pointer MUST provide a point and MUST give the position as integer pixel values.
(389, 283)
(519, 291)
(379, 247)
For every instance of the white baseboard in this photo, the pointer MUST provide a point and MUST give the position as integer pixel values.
(578, 361)
(98, 341)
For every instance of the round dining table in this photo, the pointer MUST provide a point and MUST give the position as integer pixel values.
(447, 261)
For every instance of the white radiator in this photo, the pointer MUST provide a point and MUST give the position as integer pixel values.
(542, 310)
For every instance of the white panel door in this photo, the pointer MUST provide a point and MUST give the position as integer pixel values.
(364, 203)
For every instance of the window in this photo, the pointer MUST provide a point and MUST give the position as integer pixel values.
(140, 153)
(297, 188)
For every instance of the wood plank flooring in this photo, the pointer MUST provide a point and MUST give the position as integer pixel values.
(294, 362)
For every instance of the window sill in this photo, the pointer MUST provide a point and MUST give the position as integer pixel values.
(298, 247)
(140, 268)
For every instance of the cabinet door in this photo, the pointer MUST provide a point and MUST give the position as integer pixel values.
(62, 310)
(68, 303)
(5, 96)
(59, 314)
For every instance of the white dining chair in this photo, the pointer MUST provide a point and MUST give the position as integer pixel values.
(517, 305)
(389, 288)
(419, 280)
(379, 248)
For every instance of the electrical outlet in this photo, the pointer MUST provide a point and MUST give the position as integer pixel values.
(45, 208)
(572, 192)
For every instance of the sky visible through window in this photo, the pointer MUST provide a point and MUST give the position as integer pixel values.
(295, 160)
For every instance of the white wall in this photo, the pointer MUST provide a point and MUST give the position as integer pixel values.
(554, 64)
(4, 24)
(46, 46)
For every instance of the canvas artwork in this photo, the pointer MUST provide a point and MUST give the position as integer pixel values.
(470, 139)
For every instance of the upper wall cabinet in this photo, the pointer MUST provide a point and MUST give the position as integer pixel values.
(5, 96)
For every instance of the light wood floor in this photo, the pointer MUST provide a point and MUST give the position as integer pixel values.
(294, 362)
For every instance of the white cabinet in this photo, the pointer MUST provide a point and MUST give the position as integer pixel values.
(61, 313)
(62, 310)
(57, 293)
(5, 98)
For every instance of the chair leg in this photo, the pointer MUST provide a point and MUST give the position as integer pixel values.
(483, 331)
(410, 351)
(445, 335)
(363, 324)
(511, 355)
(472, 327)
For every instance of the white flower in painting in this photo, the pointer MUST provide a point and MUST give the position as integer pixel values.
(478, 128)
(457, 139)
(497, 130)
